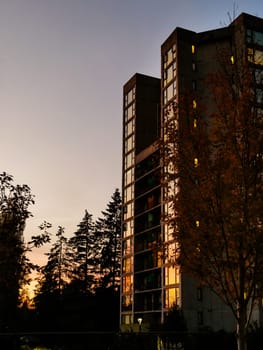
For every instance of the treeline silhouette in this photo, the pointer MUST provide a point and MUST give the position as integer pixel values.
(78, 288)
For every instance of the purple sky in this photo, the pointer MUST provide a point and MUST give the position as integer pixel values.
(62, 67)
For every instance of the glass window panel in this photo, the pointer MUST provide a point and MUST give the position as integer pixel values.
(129, 211)
(129, 143)
(254, 37)
(169, 57)
(169, 92)
(129, 160)
(171, 275)
(127, 302)
(255, 56)
(258, 38)
(130, 96)
(129, 128)
(128, 194)
(172, 296)
(127, 246)
(126, 268)
(130, 112)
(127, 284)
(258, 57)
(170, 73)
(128, 176)
(128, 229)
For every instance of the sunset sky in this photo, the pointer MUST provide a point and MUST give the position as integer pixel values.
(62, 67)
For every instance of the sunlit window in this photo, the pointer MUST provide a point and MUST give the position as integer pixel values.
(195, 123)
(194, 104)
(193, 49)
(127, 301)
(197, 223)
(255, 56)
(172, 296)
(196, 163)
(232, 59)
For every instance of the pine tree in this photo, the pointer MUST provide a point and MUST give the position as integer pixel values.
(54, 272)
(83, 255)
(109, 230)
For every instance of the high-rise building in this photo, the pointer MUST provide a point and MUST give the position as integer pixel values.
(150, 283)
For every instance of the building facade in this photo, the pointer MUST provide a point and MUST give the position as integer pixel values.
(151, 284)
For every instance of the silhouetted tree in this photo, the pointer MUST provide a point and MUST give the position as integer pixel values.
(14, 203)
(54, 273)
(83, 255)
(213, 182)
(109, 230)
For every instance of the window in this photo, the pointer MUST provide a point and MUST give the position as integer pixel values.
(172, 296)
(129, 97)
(129, 144)
(129, 160)
(128, 229)
(169, 74)
(128, 211)
(193, 66)
(128, 177)
(194, 85)
(127, 267)
(254, 37)
(196, 163)
(194, 104)
(126, 319)
(170, 92)
(169, 56)
(232, 59)
(129, 128)
(171, 275)
(195, 123)
(255, 56)
(128, 193)
(193, 49)
(127, 302)
(127, 246)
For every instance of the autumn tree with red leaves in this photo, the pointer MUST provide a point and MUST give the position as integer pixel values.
(213, 175)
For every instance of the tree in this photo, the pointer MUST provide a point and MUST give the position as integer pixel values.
(109, 228)
(83, 253)
(55, 271)
(213, 166)
(14, 211)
